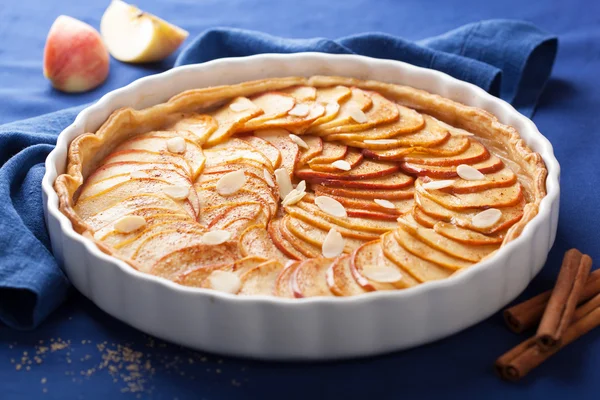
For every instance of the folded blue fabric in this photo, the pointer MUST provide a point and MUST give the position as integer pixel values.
(507, 58)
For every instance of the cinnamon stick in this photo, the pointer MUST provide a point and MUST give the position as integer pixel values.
(561, 306)
(527, 314)
(519, 361)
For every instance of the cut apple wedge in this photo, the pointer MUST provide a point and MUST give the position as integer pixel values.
(153, 225)
(282, 243)
(309, 278)
(315, 147)
(420, 269)
(352, 158)
(365, 194)
(298, 119)
(149, 157)
(217, 212)
(266, 148)
(301, 93)
(108, 171)
(467, 236)
(283, 285)
(330, 152)
(491, 165)
(273, 105)
(260, 280)
(367, 169)
(371, 255)
(177, 263)
(195, 276)
(400, 206)
(490, 198)
(331, 98)
(199, 125)
(359, 100)
(152, 216)
(475, 153)
(230, 119)
(340, 280)
(208, 196)
(134, 36)
(251, 211)
(151, 248)
(499, 179)
(315, 236)
(290, 152)
(255, 241)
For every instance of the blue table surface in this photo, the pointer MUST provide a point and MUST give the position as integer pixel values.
(81, 352)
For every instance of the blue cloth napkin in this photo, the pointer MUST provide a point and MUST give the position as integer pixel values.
(510, 59)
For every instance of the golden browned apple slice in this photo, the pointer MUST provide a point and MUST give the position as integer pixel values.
(307, 247)
(145, 158)
(141, 204)
(231, 117)
(210, 198)
(154, 225)
(175, 264)
(340, 280)
(274, 105)
(409, 121)
(280, 138)
(125, 168)
(490, 198)
(365, 170)
(422, 218)
(359, 100)
(196, 277)
(330, 98)
(315, 147)
(382, 112)
(118, 193)
(475, 153)
(247, 209)
(491, 165)
(510, 215)
(396, 207)
(426, 252)
(282, 244)
(453, 248)
(421, 270)
(255, 241)
(330, 152)
(291, 121)
(467, 236)
(503, 178)
(256, 168)
(366, 194)
(397, 180)
(266, 148)
(253, 183)
(260, 280)
(200, 125)
(309, 278)
(152, 215)
(370, 256)
(158, 140)
(315, 236)
(351, 159)
(147, 249)
(252, 211)
(301, 93)
(283, 285)
(220, 156)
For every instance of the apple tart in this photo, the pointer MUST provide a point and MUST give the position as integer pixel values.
(298, 187)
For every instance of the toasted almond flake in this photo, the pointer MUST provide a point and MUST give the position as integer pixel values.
(298, 140)
(469, 173)
(283, 180)
(357, 114)
(331, 206)
(293, 197)
(433, 185)
(177, 192)
(385, 203)
(333, 245)
(215, 237)
(231, 182)
(379, 273)
(332, 108)
(130, 223)
(379, 141)
(268, 178)
(487, 218)
(301, 187)
(138, 174)
(317, 110)
(341, 164)
(300, 110)
(240, 106)
(176, 145)
(225, 281)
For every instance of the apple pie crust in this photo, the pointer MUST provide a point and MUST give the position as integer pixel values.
(298, 187)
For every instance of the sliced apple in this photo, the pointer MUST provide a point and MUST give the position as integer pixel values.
(400, 206)
(301, 93)
(467, 236)
(492, 164)
(152, 216)
(175, 265)
(282, 244)
(149, 157)
(502, 178)
(231, 120)
(153, 225)
(289, 150)
(330, 152)
(475, 153)
(309, 278)
(367, 169)
(266, 148)
(235, 212)
(315, 147)
(108, 171)
(246, 209)
(365, 194)
(491, 198)
(195, 276)
(283, 286)
(255, 241)
(358, 100)
(340, 280)
(260, 280)
(295, 120)
(200, 125)
(331, 98)
(208, 196)
(352, 157)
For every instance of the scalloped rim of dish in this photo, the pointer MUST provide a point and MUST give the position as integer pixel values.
(436, 82)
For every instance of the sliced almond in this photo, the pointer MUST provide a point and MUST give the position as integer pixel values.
(293, 197)
(385, 203)
(177, 192)
(380, 273)
(487, 218)
(469, 173)
(433, 185)
(332, 108)
(341, 164)
(333, 245)
(283, 180)
(301, 187)
(268, 178)
(130, 223)
(379, 141)
(231, 182)
(331, 206)
(138, 174)
(298, 140)
(357, 114)
(215, 237)
(240, 106)
(300, 110)
(225, 281)
(176, 145)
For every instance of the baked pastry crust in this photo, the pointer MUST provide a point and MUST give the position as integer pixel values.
(408, 243)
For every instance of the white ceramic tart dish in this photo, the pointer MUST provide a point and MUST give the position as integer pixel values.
(419, 205)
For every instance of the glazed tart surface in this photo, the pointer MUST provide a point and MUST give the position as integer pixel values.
(300, 187)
